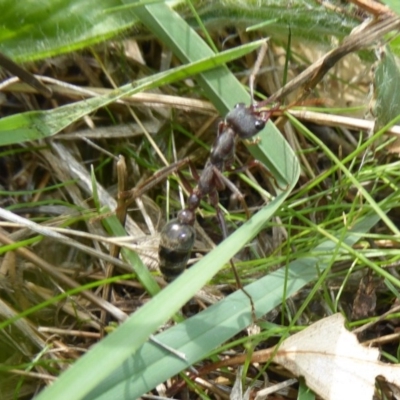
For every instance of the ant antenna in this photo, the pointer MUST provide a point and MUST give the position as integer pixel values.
(256, 69)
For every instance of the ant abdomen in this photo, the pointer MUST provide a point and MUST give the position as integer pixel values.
(176, 243)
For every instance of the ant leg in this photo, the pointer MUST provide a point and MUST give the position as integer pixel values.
(127, 197)
(130, 195)
(267, 113)
(214, 200)
(193, 171)
(194, 174)
(225, 182)
(246, 293)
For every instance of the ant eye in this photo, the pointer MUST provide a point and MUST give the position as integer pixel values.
(259, 124)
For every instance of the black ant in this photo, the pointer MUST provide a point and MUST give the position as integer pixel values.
(178, 235)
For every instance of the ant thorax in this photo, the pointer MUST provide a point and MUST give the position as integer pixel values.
(223, 148)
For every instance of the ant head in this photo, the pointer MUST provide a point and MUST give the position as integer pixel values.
(246, 122)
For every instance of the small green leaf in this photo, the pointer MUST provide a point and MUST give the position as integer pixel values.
(386, 89)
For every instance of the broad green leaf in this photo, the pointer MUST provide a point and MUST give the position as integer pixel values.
(33, 30)
(308, 20)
